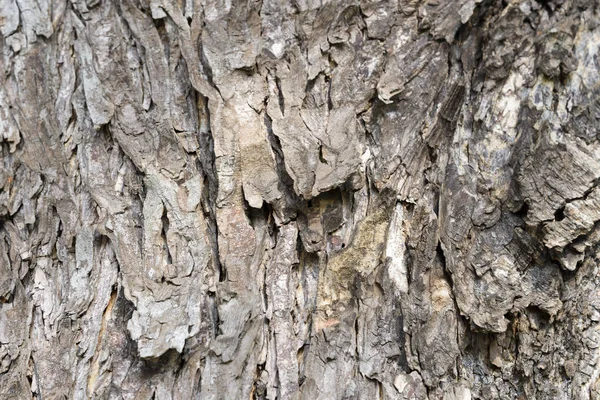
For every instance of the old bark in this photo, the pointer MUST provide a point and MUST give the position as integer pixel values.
(206, 199)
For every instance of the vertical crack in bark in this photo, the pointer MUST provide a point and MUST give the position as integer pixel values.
(206, 160)
(95, 362)
(163, 233)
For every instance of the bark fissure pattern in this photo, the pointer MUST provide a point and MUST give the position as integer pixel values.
(337, 199)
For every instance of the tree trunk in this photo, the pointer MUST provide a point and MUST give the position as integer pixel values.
(208, 199)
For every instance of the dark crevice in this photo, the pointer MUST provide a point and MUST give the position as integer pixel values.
(291, 198)
(122, 313)
(401, 359)
(441, 256)
(163, 234)
(329, 101)
(321, 157)
(249, 211)
(436, 203)
(522, 211)
(476, 20)
(267, 216)
(206, 69)
(356, 352)
(280, 98)
(207, 165)
(559, 214)
(548, 5)
(214, 310)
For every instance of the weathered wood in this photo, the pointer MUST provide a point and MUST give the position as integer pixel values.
(299, 200)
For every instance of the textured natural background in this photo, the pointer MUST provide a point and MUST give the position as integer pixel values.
(305, 199)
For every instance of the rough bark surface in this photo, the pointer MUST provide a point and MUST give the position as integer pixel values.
(309, 199)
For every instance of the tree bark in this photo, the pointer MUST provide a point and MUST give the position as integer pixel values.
(374, 199)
